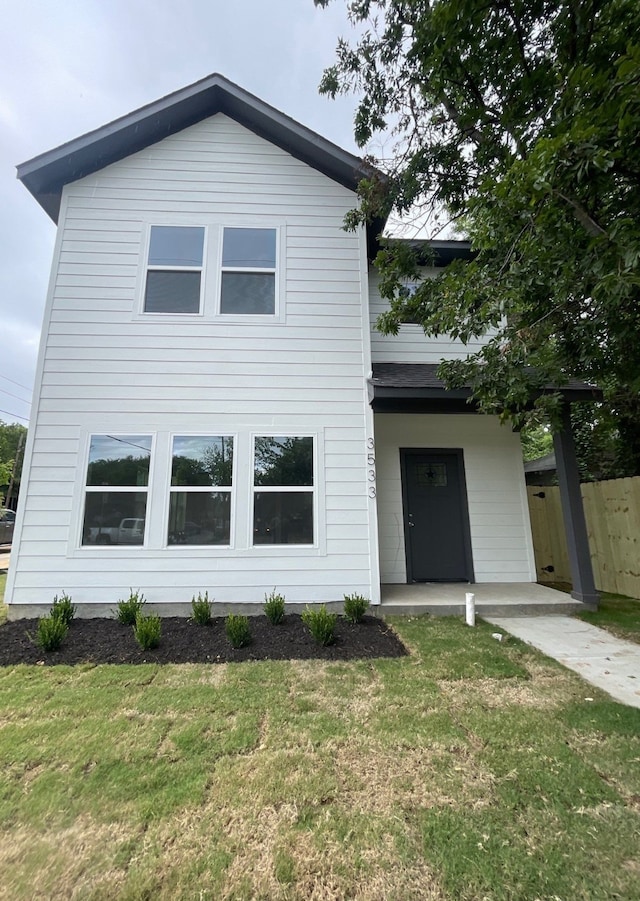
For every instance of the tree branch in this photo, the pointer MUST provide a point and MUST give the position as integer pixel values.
(587, 222)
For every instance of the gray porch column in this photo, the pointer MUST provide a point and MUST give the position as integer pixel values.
(575, 525)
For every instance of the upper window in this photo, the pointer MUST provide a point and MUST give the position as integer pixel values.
(115, 509)
(283, 491)
(406, 292)
(248, 281)
(174, 271)
(200, 500)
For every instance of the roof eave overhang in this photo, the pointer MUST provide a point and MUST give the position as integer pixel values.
(46, 175)
(384, 398)
(588, 394)
(435, 252)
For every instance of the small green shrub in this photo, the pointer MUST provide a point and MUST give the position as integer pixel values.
(274, 607)
(355, 607)
(63, 609)
(128, 610)
(147, 630)
(321, 624)
(201, 608)
(51, 633)
(237, 629)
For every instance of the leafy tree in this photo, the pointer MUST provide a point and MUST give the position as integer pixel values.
(537, 441)
(10, 440)
(5, 475)
(600, 452)
(520, 120)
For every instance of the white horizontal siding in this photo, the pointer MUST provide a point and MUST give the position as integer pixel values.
(410, 345)
(107, 369)
(498, 512)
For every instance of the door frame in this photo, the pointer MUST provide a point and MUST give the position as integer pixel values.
(405, 455)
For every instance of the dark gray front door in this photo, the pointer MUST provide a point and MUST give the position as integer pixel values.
(437, 537)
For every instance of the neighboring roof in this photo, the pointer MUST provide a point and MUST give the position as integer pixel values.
(542, 464)
(406, 384)
(46, 175)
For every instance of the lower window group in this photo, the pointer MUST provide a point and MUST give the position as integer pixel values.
(200, 490)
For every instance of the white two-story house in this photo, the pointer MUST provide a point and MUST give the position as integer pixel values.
(214, 408)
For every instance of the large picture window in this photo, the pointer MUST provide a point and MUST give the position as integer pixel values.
(283, 493)
(115, 509)
(248, 280)
(174, 271)
(200, 496)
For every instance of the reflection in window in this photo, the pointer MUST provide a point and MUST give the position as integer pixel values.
(406, 292)
(248, 271)
(198, 514)
(174, 269)
(116, 490)
(284, 461)
(283, 491)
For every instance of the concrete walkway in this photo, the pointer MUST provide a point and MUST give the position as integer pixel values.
(4, 558)
(599, 657)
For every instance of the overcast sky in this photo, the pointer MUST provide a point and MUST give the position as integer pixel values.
(69, 66)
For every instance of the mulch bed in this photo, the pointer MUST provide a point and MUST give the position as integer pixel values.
(107, 641)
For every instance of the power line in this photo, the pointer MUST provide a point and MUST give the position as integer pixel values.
(4, 391)
(24, 418)
(130, 443)
(15, 383)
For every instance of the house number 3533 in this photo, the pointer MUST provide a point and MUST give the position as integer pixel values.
(371, 467)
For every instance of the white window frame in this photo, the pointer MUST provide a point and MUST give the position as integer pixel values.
(277, 314)
(311, 489)
(155, 267)
(203, 489)
(115, 489)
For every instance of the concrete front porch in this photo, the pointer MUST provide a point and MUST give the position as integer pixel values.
(492, 599)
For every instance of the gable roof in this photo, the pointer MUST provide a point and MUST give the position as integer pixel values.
(45, 175)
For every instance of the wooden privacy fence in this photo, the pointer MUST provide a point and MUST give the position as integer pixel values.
(612, 511)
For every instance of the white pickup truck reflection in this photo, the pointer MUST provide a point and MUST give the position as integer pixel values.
(130, 531)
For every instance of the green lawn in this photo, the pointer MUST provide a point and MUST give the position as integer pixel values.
(617, 614)
(473, 769)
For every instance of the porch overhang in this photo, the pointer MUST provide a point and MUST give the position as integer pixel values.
(416, 388)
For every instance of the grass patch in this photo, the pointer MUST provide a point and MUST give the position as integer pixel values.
(471, 769)
(618, 615)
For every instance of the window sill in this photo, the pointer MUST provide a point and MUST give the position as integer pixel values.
(199, 551)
